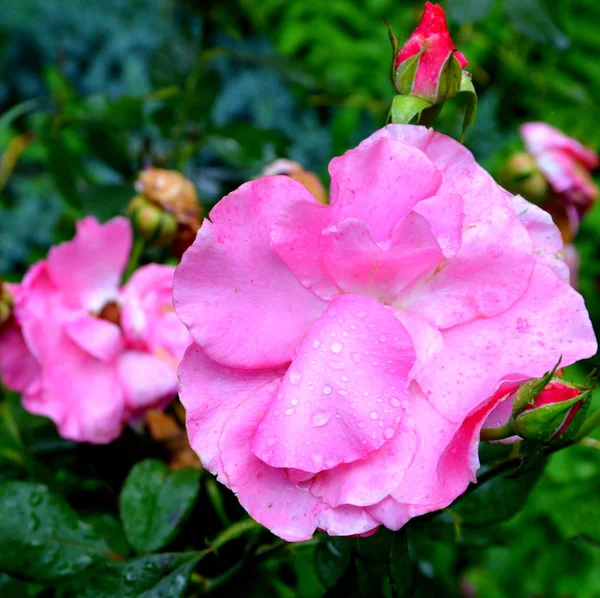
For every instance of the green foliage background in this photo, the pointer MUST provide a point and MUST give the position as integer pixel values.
(90, 92)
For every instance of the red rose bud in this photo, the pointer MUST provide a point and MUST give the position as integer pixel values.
(554, 414)
(428, 66)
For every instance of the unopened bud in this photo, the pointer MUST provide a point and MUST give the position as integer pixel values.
(521, 175)
(555, 414)
(151, 222)
(295, 171)
(428, 66)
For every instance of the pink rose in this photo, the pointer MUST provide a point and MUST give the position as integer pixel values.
(431, 40)
(345, 355)
(566, 164)
(84, 352)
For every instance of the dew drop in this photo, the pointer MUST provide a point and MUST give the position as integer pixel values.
(337, 348)
(317, 460)
(355, 357)
(337, 365)
(271, 441)
(327, 390)
(344, 333)
(394, 402)
(344, 378)
(388, 433)
(289, 411)
(342, 392)
(361, 425)
(294, 402)
(295, 377)
(382, 338)
(316, 344)
(320, 418)
(373, 415)
(361, 315)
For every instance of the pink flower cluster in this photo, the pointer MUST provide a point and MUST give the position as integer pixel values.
(83, 351)
(346, 356)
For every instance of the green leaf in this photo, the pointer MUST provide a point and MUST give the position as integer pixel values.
(332, 558)
(531, 19)
(496, 500)
(109, 527)
(154, 502)
(153, 576)
(41, 537)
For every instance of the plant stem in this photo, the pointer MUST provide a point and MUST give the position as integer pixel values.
(505, 431)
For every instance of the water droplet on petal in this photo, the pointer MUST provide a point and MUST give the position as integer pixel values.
(361, 315)
(355, 357)
(337, 348)
(373, 415)
(320, 418)
(337, 365)
(294, 402)
(271, 441)
(382, 338)
(342, 392)
(361, 425)
(289, 411)
(317, 461)
(394, 402)
(295, 376)
(327, 390)
(316, 344)
(388, 433)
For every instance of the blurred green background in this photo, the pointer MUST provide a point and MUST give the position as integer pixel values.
(90, 92)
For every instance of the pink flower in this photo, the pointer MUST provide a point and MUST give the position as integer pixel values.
(87, 354)
(431, 39)
(566, 164)
(345, 355)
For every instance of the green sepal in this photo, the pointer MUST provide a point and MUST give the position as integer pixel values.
(403, 77)
(449, 79)
(406, 108)
(528, 391)
(543, 423)
(470, 96)
(395, 47)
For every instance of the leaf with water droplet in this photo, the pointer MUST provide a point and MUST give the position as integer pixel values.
(153, 576)
(41, 537)
(154, 502)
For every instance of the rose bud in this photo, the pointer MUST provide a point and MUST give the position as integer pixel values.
(554, 414)
(169, 207)
(309, 180)
(428, 66)
(152, 223)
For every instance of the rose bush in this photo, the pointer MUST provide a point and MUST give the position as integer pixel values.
(346, 356)
(87, 354)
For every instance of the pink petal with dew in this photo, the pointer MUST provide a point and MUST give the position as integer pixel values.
(350, 373)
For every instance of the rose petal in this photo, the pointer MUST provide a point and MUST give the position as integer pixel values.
(88, 269)
(231, 288)
(99, 338)
(370, 480)
(349, 374)
(210, 392)
(359, 265)
(147, 381)
(19, 369)
(297, 236)
(488, 275)
(380, 182)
